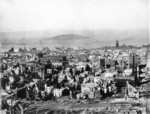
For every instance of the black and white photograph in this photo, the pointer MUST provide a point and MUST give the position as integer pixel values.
(74, 57)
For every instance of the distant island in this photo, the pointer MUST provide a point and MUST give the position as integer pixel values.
(68, 37)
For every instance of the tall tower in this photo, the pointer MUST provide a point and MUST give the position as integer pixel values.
(117, 43)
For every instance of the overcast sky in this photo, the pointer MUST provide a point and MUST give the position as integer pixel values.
(30, 15)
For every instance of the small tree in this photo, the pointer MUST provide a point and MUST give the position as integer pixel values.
(87, 68)
(20, 50)
(12, 49)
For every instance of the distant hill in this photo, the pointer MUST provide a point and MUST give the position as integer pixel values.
(76, 38)
(67, 40)
(68, 37)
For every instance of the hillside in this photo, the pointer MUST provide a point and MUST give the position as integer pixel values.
(68, 37)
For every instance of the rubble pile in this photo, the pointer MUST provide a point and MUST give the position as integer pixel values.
(73, 79)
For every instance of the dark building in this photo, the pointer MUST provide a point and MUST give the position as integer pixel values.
(48, 68)
(134, 60)
(102, 63)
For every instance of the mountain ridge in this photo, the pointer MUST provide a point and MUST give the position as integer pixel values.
(68, 37)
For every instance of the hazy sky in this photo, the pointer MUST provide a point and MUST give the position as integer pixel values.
(28, 15)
